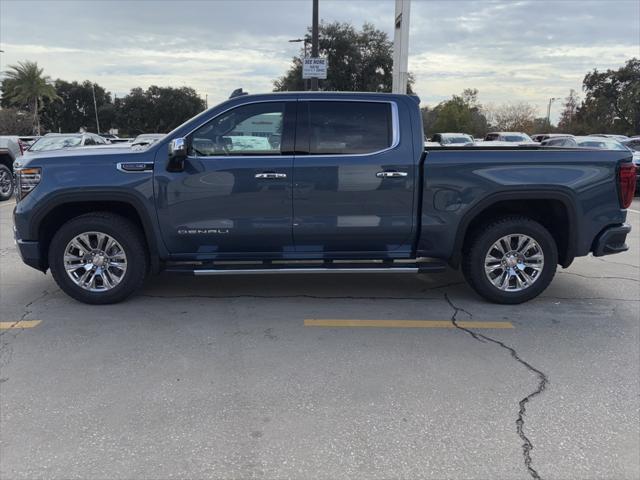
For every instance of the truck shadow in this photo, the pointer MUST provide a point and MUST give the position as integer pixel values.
(313, 286)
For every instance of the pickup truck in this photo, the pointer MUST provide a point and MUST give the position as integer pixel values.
(10, 149)
(317, 182)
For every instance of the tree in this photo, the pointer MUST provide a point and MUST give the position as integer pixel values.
(15, 122)
(25, 86)
(358, 61)
(462, 113)
(568, 116)
(611, 103)
(516, 117)
(157, 109)
(76, 109)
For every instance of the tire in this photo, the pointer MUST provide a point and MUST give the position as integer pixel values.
(107, 240)
(7, 183)
(527, 274)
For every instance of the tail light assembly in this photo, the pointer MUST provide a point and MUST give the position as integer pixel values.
(626, 183)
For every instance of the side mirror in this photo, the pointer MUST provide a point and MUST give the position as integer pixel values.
(177, 154)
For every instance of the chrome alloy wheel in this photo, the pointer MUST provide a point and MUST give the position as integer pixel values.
(95, 261)
(6, 182)
(514, 262)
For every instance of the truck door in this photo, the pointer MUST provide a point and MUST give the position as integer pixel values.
(353, 179)
(233, 197)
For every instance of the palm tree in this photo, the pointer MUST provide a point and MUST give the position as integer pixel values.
(25, 84)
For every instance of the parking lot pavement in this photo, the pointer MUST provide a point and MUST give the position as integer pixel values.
(220, 378)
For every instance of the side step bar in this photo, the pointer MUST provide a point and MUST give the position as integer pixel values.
(306, 269)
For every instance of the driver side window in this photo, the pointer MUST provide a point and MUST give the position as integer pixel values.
(253, 129)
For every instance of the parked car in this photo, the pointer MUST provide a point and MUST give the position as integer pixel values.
(57, 141)
(452, 139)
(515, 137)
(146, 139)
(601, 143)
(633, 144)
(349, 180)
(610, 135)
(541, 137)
(10, 150)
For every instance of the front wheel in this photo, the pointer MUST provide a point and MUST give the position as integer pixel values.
(98, 258)
(6, 183)
(511, 260)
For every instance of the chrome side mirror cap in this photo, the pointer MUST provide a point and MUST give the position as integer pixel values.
(178, 147)
(177, 154)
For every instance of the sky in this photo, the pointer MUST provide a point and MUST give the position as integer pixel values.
(511, 51)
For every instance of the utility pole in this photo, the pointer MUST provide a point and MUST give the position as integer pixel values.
(400, 74)
(95, 106)
(551, 100)
(314, 41)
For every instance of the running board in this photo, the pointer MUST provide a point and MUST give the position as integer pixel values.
(270, 269)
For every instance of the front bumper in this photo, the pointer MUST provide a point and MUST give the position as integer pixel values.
(611, 240)
(30, 252)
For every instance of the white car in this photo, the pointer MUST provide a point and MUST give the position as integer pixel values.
(513, 137)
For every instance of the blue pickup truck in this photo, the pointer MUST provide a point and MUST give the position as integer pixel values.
(317, 183)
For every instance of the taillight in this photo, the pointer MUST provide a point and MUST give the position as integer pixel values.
(626, 183)
(27, 180)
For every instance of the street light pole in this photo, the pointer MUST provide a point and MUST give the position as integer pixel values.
(95, 106)
(551, 100)
(314, 41)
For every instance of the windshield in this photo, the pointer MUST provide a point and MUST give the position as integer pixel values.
(516, 138)
(55, 143)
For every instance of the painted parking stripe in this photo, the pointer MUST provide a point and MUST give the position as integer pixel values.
(9, 204)
(632, 210)
(331, 323)
(19, 324)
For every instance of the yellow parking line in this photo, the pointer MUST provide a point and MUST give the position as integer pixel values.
(314, 322)
(19, 324)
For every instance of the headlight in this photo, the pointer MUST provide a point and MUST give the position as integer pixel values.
(27, 180)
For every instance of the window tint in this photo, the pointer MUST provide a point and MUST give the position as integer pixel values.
(254, 129)
(491, 136)
(349, 127)
(89, 141)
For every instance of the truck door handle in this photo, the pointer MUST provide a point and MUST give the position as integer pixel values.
(270, 175)
(392, 174)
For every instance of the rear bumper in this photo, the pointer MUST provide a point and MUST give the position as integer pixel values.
(612, 240)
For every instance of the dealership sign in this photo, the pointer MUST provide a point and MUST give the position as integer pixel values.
(314, 67)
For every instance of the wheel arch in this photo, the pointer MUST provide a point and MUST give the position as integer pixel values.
(46, 221)
(555, 210)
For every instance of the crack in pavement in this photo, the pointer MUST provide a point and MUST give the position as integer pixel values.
(603, 278)
(6, 349)
(616, 263)
(543, 380)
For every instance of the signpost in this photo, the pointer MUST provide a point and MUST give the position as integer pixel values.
(314, 68)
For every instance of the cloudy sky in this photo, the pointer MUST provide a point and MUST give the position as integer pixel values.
(517, 50)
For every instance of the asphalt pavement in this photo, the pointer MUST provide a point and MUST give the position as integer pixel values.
(249, 377)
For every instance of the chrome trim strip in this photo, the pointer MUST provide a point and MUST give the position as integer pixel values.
(395, 128)
(119, 167)
(278, 271)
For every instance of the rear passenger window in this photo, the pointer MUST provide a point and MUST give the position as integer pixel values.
(342, 128)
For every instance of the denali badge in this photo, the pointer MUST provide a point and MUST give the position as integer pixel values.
(202, 231)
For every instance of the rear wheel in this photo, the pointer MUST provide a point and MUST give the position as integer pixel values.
(6, 183)
(98, 258)
(511, 260)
